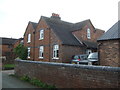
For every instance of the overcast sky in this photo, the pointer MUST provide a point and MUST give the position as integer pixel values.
(15, 14)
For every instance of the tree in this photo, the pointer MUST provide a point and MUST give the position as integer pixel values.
(21, 51)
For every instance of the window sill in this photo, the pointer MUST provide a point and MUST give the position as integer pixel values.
(28, 42)
(28, 57)
(55, 58)
(40, 57)
(40, 39)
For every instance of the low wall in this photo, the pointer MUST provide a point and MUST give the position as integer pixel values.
(70, 75)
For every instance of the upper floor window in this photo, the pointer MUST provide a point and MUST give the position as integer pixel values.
(88, 34)
(29, 38)
(41, 50)
(41, 34)
(28, 52)
(56, 52)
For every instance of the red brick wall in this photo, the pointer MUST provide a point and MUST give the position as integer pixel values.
(30, 30)
(82, 34)
(109, 53)
(45, 42)
(68, 51)
(7, 51)
(55, 40)
(70, 75)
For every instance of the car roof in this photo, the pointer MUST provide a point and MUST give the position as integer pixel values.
(81, 54)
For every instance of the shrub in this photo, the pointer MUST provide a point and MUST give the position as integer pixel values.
(21, 51)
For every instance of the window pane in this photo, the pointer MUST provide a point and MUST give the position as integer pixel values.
(29, 37)
(41, 52)
(88, 33)
(28, 52)
(55, 51)
(41, 34)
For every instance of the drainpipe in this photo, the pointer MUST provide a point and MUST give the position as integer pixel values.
(34, 46)
(49, 45)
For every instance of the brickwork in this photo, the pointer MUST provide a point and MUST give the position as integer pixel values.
(109, 53)
(70, 75)
(82, 34)
(44, 42)
(68, 51)
(30, 30)
(7, 51)
(50, 39)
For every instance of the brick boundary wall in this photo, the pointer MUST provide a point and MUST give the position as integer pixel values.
(70, 75)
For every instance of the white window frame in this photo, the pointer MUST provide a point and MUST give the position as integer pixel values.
(41, 34)
(88, 33)
(28, 54)
(41, 52)
(55, 53)
(29, 38)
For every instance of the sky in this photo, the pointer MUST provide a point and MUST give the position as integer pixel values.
(15, 14)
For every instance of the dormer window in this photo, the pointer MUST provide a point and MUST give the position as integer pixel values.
(41, 34)
(88, 34)
(29, 38)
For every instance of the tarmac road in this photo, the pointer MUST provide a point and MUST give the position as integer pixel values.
(13, 82)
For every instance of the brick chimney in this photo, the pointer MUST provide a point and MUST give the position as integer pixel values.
(55, 16)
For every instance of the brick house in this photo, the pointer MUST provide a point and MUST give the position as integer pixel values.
(54, 40)
(109, 47)
(7, 45)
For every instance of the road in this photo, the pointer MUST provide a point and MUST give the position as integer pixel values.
(13, 82)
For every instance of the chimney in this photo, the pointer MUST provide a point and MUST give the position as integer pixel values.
(55, 16)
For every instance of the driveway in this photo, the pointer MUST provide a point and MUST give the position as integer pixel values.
(13, 82)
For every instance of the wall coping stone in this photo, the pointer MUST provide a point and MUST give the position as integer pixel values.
(90, 67)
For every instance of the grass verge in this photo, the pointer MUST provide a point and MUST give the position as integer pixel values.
(9, 65)
(35, 82)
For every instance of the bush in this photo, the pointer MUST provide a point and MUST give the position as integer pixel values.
(37, 82)
(25, 78)
(21, 51)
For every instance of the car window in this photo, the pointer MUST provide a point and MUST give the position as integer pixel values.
(93, 55)
(76, 57)
(84, 57)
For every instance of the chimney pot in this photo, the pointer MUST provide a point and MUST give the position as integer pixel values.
(56, 16)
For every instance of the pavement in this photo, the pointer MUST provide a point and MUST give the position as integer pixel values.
(13, 82)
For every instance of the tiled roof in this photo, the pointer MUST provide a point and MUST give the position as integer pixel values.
(80, 25)
(34, 24)
(112, 33)
(64, 30)
(90, 44)
(7, 41)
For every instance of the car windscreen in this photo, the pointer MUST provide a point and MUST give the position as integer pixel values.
(93, 56)
(84, 57)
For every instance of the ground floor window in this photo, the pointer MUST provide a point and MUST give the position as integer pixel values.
(28, 52)
(41, 50)
(56, 52)
(88, 51)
